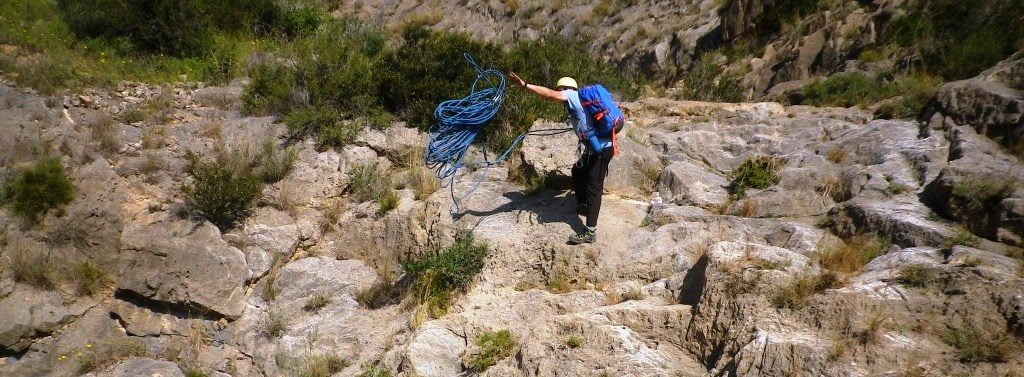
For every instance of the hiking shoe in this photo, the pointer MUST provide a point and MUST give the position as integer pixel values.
(586, 236)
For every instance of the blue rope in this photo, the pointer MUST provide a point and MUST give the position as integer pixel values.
(459, 121)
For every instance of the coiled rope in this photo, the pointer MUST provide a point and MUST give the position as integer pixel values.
(459, 121)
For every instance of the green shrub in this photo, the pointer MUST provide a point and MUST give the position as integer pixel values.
(271, 91)
(492, 347)
(441, 274)
(273, 162)
(177, 27)
(193, 372)
(916, 275)
(326, 124)
(981, 194)
(975, 346)
(705, 82)
(844, 89)
(324, 365)
(370, 370)
(89, 279)
(316, 302)
(224, 189)
(34, 191)
(369, 183)
(757, 172)
(574, 341)
(957, 39)
(961, 237)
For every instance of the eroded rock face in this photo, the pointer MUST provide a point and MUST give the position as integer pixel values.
(183, 263)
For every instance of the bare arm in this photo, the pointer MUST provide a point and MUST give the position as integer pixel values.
(542, 91)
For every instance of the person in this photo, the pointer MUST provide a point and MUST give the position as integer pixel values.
(590, 170)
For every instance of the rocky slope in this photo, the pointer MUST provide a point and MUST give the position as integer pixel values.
(693, 283)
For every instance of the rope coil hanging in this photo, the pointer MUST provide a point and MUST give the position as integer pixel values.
(459, 121)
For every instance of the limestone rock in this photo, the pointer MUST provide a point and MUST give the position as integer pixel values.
(183, 263)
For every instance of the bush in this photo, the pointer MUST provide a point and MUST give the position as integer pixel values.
(274, 163)
(271, 91)
(705, 82)
(957, 39)
(440, 275)
(369, 183)
(757, 172)
(176, 27)
(89, 279)
(908, 92)
(34, 191)
(574, 341)
(492, 347)
(326, 124)
(224, 190)
(370, 370)
(915, 275)
(324, 365)
(975, 346)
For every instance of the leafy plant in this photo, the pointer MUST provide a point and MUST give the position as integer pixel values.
(757, 172)
(492, 347)
(916, 275)
(974, 345)
(36, 190)
(224, 189)
(438, 276)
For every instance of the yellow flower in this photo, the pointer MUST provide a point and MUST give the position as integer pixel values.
(88, 345)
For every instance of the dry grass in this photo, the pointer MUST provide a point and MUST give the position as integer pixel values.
(103, 131)
(649, 174)
(795, 294)
(154, 137)
(109, 353)
(31, 266)
(849, 257)
(835, 156)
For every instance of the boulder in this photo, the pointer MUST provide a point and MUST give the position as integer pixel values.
(686, 182)
(549, 156)
(184, 264)
(435, 351)
(137, 367)
(992, 103)
(299, 280)
(29, 313)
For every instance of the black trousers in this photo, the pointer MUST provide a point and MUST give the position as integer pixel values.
(588, 176)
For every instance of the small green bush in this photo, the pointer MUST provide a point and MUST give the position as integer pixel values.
(224, 189)
(758, 172)
(705, 82)
(34, 191)
(273, 162)
(916, 275)
(274, 324)
(271, 91)
(975, 346)
(574, 341)
(981, 194)
(370, 370)
(177, 27)
(961, 237)
(369, 183)
(909, 92)
(89, 279)
(193, 372)
(326, 124)
(957, 39)
(439, 275)
(323, 365)
(316, 302)
(492, 347)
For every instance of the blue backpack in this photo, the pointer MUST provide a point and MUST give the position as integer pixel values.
(599, 105)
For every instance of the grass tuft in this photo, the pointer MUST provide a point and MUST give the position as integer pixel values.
(976, 346)
(491, 347)
(439, 276)
(850, 256)
(758, 173)
(323, 365)
(795, 294)
(916, 275)
(316, 302)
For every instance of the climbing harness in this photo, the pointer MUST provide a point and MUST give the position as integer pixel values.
(459, 121)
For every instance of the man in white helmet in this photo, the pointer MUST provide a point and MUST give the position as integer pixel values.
(589, 172)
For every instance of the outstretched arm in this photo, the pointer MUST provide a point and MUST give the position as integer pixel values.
(542, 91)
